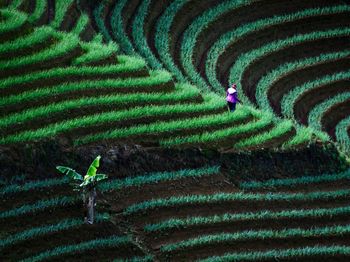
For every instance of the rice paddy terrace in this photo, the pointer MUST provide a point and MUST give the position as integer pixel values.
(154, 73)
(289, 58)
(60, 80)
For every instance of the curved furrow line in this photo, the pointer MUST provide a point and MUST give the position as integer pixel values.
(264, 95)
(275, 28)
(232, 20)
(342, 133)
(316, 114)
(308, 253)
(162, 38)
(192, 32)
(119, 27)
(224, 136)
(293, 95)
(113, 117)
(122, 101)
(156, 83)
(310, 99)
(138, 34)
(180, 22)
(243, 62)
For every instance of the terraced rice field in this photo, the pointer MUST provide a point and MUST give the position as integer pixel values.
(57, 82)
(288, 58)
(99, 74)
(203, 217)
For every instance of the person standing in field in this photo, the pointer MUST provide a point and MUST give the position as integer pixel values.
(231, 97)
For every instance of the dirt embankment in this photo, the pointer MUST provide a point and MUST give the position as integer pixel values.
(37, 161)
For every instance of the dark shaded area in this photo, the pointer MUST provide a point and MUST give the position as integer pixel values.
(37, 161)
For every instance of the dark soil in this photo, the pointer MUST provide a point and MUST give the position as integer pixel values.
(310, 99)
(332, 117)
(299, 77)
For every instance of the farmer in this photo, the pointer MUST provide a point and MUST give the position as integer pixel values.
(231, 97)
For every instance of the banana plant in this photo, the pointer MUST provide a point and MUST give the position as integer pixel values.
(86, 184)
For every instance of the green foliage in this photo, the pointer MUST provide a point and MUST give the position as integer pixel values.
(40, 8)
(38, 206)
(138, 34)
(315, 115)
(256, 235)
(292, 182)
(154, 178)
(108, 242)
(291, 97)
(91, 177)
(268, 80)
(240, 114)
(278, 130)
(97, 51)
(193, 31)
(244, 60)
(61, 8)
(178, 223)
(119, 35)
(64, 46)
(277, 254)
(69, 172)
(227, 197)
(162, 37)
(13, 20)
(342, 134)
(233, 36)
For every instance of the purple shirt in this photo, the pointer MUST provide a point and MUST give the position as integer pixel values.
(232, 97)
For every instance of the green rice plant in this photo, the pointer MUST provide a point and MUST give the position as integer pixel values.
(112, 241)
(305, 135)
(233, 36)
(15, 4)
(61, 8)
(218, 198)
(33, 185)
(268, 80)
(97, 39)
(193, 31)
(154, 178)
(255, 235)
(180, 94)
(315, 115)
(40, 35)
(158, 128)
(292, 96)
(96, 52)
(246, 59)
(81, 24)
(66, 45)
(342, 135)
(118, 29)
(179, 223)
(162, 36)
(148, 258)
(127, 64)
(40, 7)
(107, 117)
(277, 254)
(279, 130)
(35, 232)
(13, 20)
(99, 21)
(217, 135)
(156, 80)
(139, 38)
(293, 182)
(39, 206)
